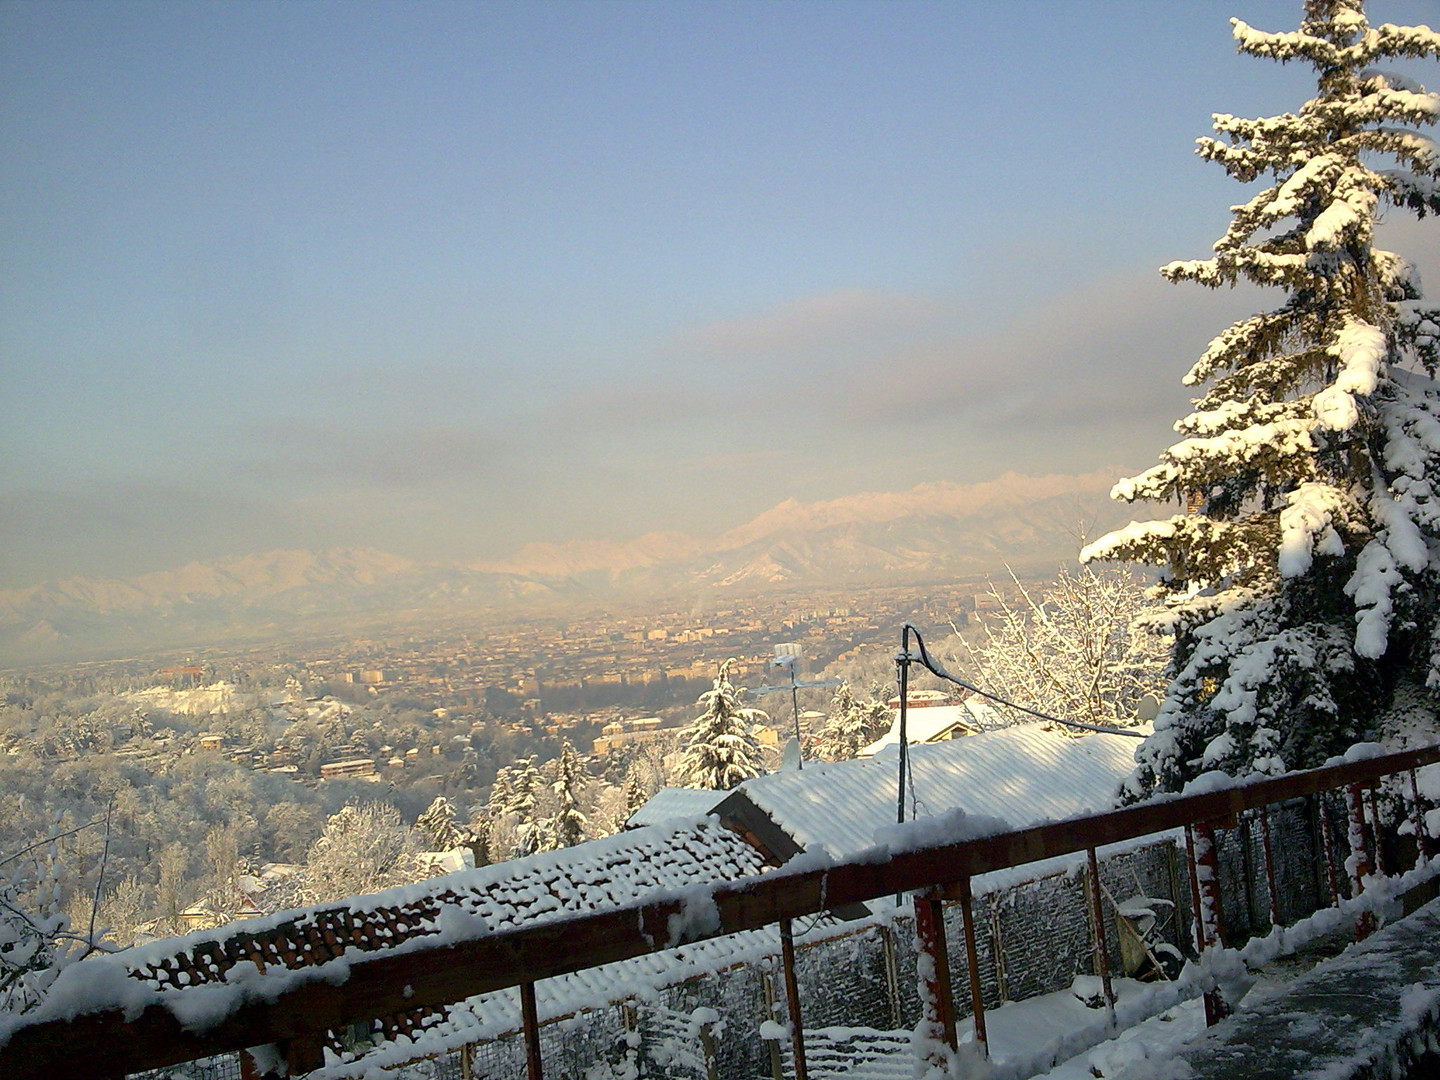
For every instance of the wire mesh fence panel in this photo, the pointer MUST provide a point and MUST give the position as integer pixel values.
(225, 1067)
(843, 982)
(1045, 935)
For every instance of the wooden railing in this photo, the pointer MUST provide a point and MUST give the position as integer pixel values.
(297, 1013)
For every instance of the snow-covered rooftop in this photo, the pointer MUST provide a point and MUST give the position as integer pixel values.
(669, 804)
(598, 875)
(1023, 774)
(930, 722)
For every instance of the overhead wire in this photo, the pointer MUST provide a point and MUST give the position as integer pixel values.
(938, 670)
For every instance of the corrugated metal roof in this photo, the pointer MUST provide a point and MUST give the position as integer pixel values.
(1024, 775)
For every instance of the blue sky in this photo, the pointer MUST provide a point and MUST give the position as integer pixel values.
(446, 278)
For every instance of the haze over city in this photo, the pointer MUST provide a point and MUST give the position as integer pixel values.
(446, 279)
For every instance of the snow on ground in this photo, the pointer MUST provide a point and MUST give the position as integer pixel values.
(1022, 1031)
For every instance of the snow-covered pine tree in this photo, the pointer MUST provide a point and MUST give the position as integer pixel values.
(851, 726)
(499, 830)
(532, 833)
(440, 824)
(1303, 586)
(719, 751)
(636, 794)
(479, 841)
(568, 826)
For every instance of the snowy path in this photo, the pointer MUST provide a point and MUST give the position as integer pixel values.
(1370, 1011)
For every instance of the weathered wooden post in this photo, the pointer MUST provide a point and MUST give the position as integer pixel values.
(1376, 836)
(1209, 920)
(1423, 846)
(892, 975)
(1097, 931)
(972, 964)
(935, 964)
(709, 1051)
(1327, 837)
(997, 952)
(530, 1016)
(1269, 853)
(1359, 861)
(792, 1000)
(767, 987)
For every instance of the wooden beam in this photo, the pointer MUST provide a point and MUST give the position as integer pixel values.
(930, 939)
(792, 1000)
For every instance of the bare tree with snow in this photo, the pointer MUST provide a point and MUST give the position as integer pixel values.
(1072, 650)
(1303, 586)
(365, 848)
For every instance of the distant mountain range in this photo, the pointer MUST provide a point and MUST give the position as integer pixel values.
(933, 532)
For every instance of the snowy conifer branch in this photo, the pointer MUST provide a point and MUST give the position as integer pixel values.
(1301, 582)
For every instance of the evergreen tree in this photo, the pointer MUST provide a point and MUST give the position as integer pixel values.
(532, 833)
(1301, 587)
(719, 751)
(568, 825)
(851, 726)
(440, 824)
(480, 838)
(636, 794)
(499, 831)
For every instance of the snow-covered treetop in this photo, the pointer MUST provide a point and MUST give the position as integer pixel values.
(1288, 388)
(719, 751)
(1307, 465)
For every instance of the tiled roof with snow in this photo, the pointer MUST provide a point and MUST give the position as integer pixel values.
(598, 875)
(1023, 774)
